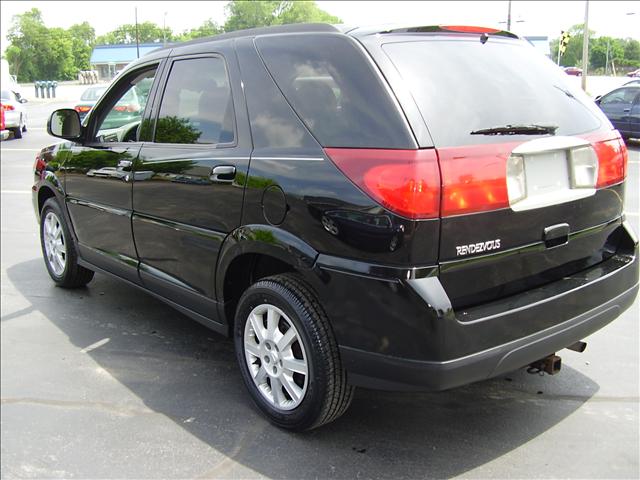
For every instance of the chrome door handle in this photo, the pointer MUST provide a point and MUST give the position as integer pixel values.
(223, 174)
(125, 164)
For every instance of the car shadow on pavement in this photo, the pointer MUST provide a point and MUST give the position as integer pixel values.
(187, 373)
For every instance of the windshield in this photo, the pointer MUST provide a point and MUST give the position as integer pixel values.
(462, 86)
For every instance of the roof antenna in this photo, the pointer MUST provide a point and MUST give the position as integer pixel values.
(483, 38)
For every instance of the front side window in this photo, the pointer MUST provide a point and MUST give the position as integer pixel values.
(196, 106)
(622, 96)
(120, 117)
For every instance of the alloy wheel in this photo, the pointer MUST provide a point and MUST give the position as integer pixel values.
(276, 357)
(54, 244)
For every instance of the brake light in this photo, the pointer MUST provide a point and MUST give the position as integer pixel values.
(474, 178)
(82, 108)
(6, 107)
(406, 182)
(612, 159)
(40, 165)
(125, 108)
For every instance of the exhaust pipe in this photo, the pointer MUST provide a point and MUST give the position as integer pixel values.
(551, 365)
(578, 347)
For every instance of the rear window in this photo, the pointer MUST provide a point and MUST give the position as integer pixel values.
(461, 85)
(335, 90)
(92, 94)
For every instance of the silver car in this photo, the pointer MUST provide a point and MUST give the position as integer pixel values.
(15, 115)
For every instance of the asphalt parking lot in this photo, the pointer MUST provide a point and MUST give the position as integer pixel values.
(106, 382)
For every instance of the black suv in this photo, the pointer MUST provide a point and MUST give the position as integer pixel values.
(405, 209)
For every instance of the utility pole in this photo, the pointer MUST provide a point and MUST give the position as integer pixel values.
(164, 30)
(509, 17)
(137, 38)
(585, 46)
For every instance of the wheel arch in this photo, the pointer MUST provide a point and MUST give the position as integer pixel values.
(252, 252)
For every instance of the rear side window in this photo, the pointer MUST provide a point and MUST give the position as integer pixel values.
(196, 106)
(335, 91)
(461, 85)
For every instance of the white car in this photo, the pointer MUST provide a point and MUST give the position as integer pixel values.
(15, 115)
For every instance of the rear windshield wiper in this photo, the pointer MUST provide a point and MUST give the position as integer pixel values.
(517, 130)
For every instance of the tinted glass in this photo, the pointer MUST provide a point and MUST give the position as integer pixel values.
(620, 97)
(335, 90)
(196, 105)
(120, 116)
(461, 85)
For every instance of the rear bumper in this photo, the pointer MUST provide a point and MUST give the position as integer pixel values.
(383, 372)
(439, 348)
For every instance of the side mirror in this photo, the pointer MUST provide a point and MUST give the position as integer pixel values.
(65, 123)
(23, 100)
(597, 99)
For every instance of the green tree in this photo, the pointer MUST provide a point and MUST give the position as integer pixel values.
(250, 14)
(148, 32)
(83, 38)
(37, 52)
(603, 51)
(58, 63)
(207, 29)
(305, 12)
(632, 53)
(176, 130)
(572, 56)
(27, 37)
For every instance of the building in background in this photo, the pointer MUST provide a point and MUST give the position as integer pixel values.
(108, 60)
(541, 43)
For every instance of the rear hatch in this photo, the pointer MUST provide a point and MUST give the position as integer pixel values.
(531, 171)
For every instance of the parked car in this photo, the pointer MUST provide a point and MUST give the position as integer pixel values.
(88, 99)
(15, 115)
(4, 133)
(634, 73)
(499, 204)
(573, 71)
(633, 82)
(622, 107)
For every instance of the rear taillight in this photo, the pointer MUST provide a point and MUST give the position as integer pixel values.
(126, 108)
(406, 182)
(474, 178)
(82, 108)
(612, 162)
(7, 107)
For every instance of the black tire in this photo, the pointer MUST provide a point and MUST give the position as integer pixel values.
(327, 394)
(72, 275)
(17, 132)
